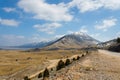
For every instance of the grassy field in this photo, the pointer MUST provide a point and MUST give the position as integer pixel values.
(12, 61)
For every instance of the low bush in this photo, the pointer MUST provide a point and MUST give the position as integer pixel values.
(60, 65)
(46, 73)
(82, 55)
(118, 40)
(26, 78)
(40, 75)
(74, 59)
(67, 62)
(78, 57)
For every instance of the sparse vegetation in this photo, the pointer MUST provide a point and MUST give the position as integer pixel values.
(87, 52)
(118, 40)
(88, 68)
(40, 75)
(67, 62)
(51, 69)
(26, 78)
(74, 59)
(78, 57)
(60, 65)
(82, 55)
(46, 73)
(28, 58)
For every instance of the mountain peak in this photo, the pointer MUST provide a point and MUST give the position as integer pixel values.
(74, 40)
(79, 34)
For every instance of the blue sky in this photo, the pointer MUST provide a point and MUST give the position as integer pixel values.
(27, 21)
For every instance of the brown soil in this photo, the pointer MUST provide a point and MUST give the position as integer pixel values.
(103, 65)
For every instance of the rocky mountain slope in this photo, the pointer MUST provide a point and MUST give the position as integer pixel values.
(112, 45)
(74, 40)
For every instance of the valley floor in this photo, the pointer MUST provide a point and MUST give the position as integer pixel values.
(103, 65)
(15, 64)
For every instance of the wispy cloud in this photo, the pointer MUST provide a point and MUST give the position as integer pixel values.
(9, 22)
(92, 5)
(85, 5)
(106, 24)
(83, 29)
(9, 9)
(95, 35)
(48, 27)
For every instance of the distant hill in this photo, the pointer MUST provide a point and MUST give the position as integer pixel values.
(107, 44)
(111, 45)
(36, 45)
(74, 40)
(115, 48)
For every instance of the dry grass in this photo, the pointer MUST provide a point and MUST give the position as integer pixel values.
(12, 61)
(95, 66)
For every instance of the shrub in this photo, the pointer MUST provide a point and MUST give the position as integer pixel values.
(40, 75)
(60, 65)
(82, 55)
(118, 40)
(78, 57)
(51, 69)
(46, 73)
(74, 59)
(26, 78)
(87, 52)
(67, 62)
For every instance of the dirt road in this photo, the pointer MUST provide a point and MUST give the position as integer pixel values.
(109, 52)
(102, 65)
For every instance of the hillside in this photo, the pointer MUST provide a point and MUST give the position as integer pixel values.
(75, 40)
(112, 45)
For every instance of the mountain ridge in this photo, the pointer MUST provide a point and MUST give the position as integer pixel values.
(73, 40)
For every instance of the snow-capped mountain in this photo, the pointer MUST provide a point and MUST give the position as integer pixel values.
(74, 40)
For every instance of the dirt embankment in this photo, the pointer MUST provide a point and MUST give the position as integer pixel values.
(103, 65)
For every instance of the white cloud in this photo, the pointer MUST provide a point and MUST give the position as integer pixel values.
(9, 22)
(83, 29)
(111, 4)
(105, 24)
(48, 27)
(8, 9)
(91, 5)
(96, 35)
(45, 11)
(85, 5)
